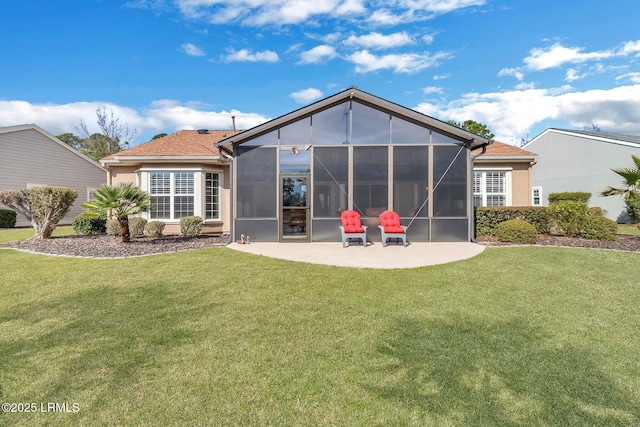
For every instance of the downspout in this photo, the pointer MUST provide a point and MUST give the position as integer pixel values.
(472, 223)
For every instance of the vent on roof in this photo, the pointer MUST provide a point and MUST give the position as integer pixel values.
(203, 131)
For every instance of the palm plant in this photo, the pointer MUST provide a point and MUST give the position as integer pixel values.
(630, 190)
(120, 201)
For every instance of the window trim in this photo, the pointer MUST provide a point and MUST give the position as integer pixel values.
(533, 189)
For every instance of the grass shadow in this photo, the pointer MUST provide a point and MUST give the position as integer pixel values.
(458, 371)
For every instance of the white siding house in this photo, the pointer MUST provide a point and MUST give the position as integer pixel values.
(31, 157)
(571, 160)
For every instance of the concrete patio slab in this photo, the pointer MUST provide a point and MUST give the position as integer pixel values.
(373, 256)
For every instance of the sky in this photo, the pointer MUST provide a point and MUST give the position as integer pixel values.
(160, 66)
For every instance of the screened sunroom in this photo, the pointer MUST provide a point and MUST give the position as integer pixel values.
(293, 176)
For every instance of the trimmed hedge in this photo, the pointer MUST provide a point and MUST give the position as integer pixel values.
(600, 228)
(570, 196)
(569, 216)
(488, 218)
(154, 229)
(8, 218)
(190, 226)
(516, 231)
(113, 227)
(86, 225)
(136, 226)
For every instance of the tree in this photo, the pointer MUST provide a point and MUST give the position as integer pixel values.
(473, 127)
(630, 190)
(160, 135)
(71, 140)
(112, 138)
(120, 201)
(44, 207)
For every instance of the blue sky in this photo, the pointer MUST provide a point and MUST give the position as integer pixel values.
(164, 65)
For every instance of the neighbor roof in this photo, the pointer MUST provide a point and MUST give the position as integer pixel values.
(613, 138)
(182, 145)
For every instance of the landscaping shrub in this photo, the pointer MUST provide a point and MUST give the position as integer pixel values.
(154, 229)
(84, 225)
(190, 226)
(516, 231)
(8, 218)
(136, 226)
(569, 216)
(113, 227)
(600, 228)
(570, 196)
(44, 207)
(488, 218)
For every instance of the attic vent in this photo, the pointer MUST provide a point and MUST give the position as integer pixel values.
(203, 131)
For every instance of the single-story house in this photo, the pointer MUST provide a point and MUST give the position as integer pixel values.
(574, 160)
(289, 179)
(32, 157)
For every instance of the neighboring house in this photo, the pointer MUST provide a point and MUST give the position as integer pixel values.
(572, 160)
(294, 175)
(502, 176)
(31, 157)
(184, 173)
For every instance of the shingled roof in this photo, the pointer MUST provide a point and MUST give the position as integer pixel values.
(184, 143)
(500, 150)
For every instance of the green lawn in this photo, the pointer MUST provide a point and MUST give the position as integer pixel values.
(516, 336)
(628, 229)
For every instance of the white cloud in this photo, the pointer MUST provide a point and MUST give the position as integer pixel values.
(573, 75)
(244, 55)
(306, 96)
(557, 55)
(633, 77)
(407, 63)
(317, 55)
(511, 115)
(380, 41)
(431, 89)
(160, 116)
(191, 49)
(515, 72)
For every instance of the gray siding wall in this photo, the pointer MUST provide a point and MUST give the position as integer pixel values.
(578, 163)
(29, 157)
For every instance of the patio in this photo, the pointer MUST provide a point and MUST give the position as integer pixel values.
(418, 254)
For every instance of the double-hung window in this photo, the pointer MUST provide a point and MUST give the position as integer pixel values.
(490, 188)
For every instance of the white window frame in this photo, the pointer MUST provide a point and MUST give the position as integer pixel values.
(507, 184)
(533, 197)
(91, 191)
(199, 184)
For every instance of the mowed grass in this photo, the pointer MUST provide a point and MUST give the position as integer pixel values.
(515, 336)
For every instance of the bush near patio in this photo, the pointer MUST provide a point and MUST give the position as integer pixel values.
(488, 218)
(516, 231)
(84, 225)
(136, 226)
(154, 229)
(190, 226)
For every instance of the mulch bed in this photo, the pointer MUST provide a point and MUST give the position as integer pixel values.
(623, 242)
(103, 246)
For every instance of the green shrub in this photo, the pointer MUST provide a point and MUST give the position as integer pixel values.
(569, 216)
(190, 226)
(516, 231)
(597, 211)
(570, 196)
(154, 229)
(8, 218)
(85, 225)
(488, 218)
(113, 227)
(600, 228)
(136, 226)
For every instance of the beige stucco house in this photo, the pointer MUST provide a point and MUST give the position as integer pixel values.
(32, 157)
(184, 173)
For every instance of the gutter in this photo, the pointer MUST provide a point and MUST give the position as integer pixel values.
(472, 223)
